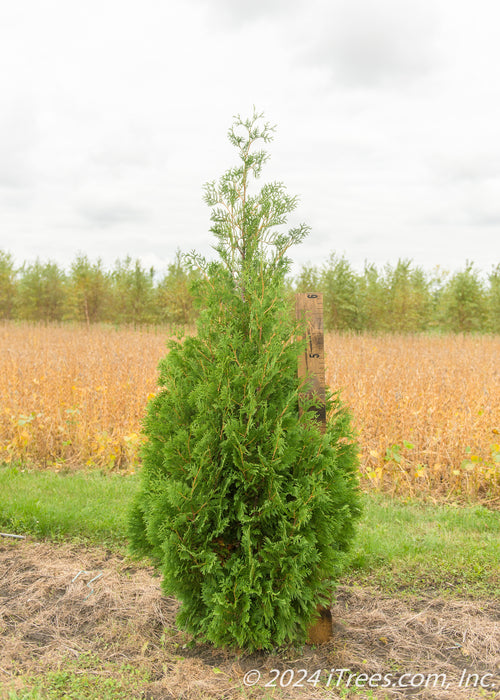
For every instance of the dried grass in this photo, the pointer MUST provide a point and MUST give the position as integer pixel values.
(49, 620)
(427, 408)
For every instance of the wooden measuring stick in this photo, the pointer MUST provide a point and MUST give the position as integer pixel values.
(309, 306)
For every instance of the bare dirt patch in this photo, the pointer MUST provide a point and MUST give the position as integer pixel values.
(95, 612)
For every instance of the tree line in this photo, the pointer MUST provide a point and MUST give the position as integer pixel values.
(395, 298)
(87, 292)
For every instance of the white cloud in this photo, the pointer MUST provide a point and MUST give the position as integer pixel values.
(104, 214)
(113, 114)
(18, 142)
(467, 167)
(366, 44)
(240, 12)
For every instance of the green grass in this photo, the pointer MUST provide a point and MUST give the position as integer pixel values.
(76, 505)
(84, 679)
(400, 547)
(417, 547)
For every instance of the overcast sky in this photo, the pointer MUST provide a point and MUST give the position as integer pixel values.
(114, 113)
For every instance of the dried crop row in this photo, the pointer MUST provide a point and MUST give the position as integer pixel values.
(426, 407)
(73, 395)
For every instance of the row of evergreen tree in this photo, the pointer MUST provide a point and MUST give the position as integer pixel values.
(88, 292)
(396, 298)
(404, 298)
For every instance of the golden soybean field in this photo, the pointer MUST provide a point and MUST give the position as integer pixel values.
(427, 408)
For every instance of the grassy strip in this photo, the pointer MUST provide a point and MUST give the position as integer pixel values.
(87, 505)
(85, 678)
(400, 546)
(419, 547)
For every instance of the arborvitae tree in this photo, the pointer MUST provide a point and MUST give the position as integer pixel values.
(245, 505)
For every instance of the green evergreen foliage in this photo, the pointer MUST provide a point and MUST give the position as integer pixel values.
(493, 300)
(41, 293)
(395, 299)
(173, 299)
(307, 279)
(245, 505)
(464, 308)
(374, 302)
(340, 287)
(133, 288)
(7, 285)
(88, 290)
(408, 297)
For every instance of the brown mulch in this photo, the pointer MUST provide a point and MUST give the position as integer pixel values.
(61, 605)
